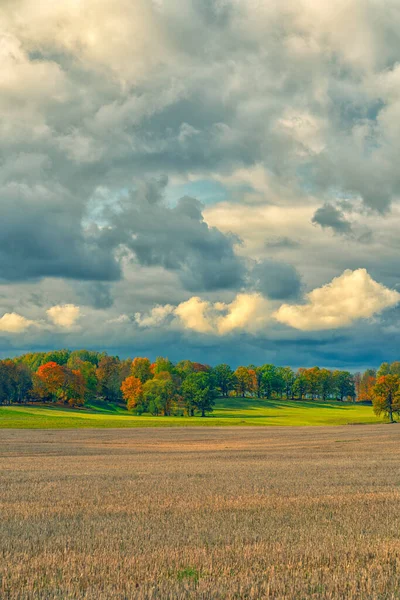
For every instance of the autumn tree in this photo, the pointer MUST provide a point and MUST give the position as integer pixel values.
(132, 392)
(243, 381)
(58, 383)
(88, 371)
(74, 387)
(386, 396)
(367, 382)
(49, 381)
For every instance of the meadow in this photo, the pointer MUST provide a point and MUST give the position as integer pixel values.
(227, 412)
(291, 513)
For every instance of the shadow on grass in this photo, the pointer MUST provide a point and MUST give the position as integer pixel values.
(229, 404)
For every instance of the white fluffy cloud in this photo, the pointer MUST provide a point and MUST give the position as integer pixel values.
(351, 296)
(196, 314)
(157, 316)
(247, 312)
(354, 295)
(64, 315)
(15, 323)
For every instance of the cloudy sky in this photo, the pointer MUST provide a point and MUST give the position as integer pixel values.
(207, 179)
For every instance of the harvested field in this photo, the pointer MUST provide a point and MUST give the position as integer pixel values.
(200, 513)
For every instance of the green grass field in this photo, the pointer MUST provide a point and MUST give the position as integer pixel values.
(227, 412)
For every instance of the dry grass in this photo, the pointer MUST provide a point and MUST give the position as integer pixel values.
(200, 513)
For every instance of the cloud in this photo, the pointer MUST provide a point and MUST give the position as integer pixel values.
(107, 113)
(196, 314)
(176, 238)
(15, 323)
(275, 279)
(332, 217)
(64, 316)
(246, 313)
(351, 296)
(157, 316)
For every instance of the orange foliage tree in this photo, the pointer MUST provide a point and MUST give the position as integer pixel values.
(132, 391)
(58, 383)
(386, 396)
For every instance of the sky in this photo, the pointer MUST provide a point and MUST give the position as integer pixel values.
(215, 180)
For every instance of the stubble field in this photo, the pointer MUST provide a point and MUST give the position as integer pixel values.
(200, 513)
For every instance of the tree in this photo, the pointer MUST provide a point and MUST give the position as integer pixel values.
(344, 385)
(109, 378)
(16, 381)
(268, 380)
(88, 371)
(289, 378)
(243, 381)
(384, 369)
(325, 383)
(49, 381)
(74, 387)
(141, 369)
(367, 383)
(54, 382)
(395, 368)
(158, 395)
(162, 364)
(386, 396)
(300, 384)
(5, 384)
(132, 392)
(199, 393)
(224, 378)
(313, 381)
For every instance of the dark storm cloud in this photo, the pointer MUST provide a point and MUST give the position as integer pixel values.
(276, 280)
(41, 235)
(176, 238)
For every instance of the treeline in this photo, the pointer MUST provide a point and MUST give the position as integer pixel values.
(185, 388)
(165, 388)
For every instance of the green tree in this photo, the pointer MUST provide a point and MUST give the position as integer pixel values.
(269, 380)
(163, 364)
(224, 378)
(384, 369)
(110, 377)
(300, 384)
(141, 368)
(158, 395)
(199, 393)
(344, 385)
(289, 378)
